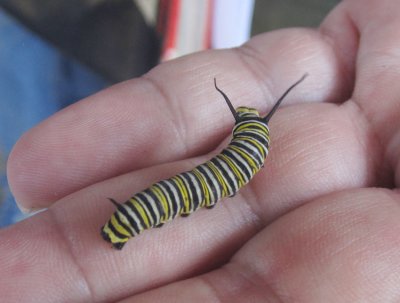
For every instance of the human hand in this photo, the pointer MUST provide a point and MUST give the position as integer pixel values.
(312, 226)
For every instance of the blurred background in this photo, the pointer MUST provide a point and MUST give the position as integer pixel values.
(55, 52)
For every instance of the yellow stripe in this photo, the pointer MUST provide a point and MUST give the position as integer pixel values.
(151, 220)
(113, 238)
(247, 110)
(253, 126)
(184, 193)
(254, 142)
(164, 203)
(167, 199)
(234, 168)
(222, 181)
(124, 219)
(118, 227)
(110, 234)
(142, 213)
(207, 198)
(249, 160)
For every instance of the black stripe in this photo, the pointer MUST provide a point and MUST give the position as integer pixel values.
(148, 210)
(240, 161)
(195, 197)
(254, 155)
(257, 155)
(132, 221)
(105, 235)
(180, 177)
(263, 140)
(202, 196)
(258, 140)
(170, 196)
(180, 199)
(243, 171)
(136, 212)
(116, 232)
(122, 210)
(251, 124)
(216, 180)
(147, 206)
(210, 185)
(225, 175)
(155, 199)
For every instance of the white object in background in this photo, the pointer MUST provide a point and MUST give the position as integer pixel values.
(193, 32)
(187, 27)
(148, 8)
(231, 24)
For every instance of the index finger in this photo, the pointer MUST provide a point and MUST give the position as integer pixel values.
(171, 113)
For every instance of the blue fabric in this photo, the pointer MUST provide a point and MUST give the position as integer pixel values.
(36, 80)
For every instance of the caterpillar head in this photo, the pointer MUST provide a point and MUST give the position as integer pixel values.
(242, 112)
(247, 112)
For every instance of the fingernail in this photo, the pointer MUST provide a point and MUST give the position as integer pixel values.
(29, 211)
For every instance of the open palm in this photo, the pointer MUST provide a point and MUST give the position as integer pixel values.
(320, 223)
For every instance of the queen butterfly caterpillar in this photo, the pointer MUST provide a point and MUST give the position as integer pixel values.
(205, 185)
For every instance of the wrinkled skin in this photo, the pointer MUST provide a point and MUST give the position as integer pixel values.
(320, 223)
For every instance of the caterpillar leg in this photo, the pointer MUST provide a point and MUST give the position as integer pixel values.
(159, 225)
(210, 206)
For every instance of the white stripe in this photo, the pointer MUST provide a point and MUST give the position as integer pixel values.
(197, 188)
(188, 190)
(231, 176)
(240, 159)
(153, 205)
(125, 220)
(134, 217)
(171, 203)
(214, 184)
(260, 161)
(147, 210)
(252, 147)
(146, 206)
(176, 197)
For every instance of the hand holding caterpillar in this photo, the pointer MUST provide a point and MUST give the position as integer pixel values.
(205, 185)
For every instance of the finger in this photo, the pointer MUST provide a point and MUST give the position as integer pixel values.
(341, 248)
(329, 148)
(37, 265)
(171, 113)
(61, 250)
(378, 71)
(70, 228)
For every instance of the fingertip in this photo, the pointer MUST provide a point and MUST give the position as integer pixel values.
(16, 176)
(26, 169)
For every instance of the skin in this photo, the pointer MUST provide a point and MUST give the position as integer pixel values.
(320, 223)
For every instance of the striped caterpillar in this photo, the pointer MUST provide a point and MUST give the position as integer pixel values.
(204, 186)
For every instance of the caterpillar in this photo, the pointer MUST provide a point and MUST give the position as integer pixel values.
(205, 185)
